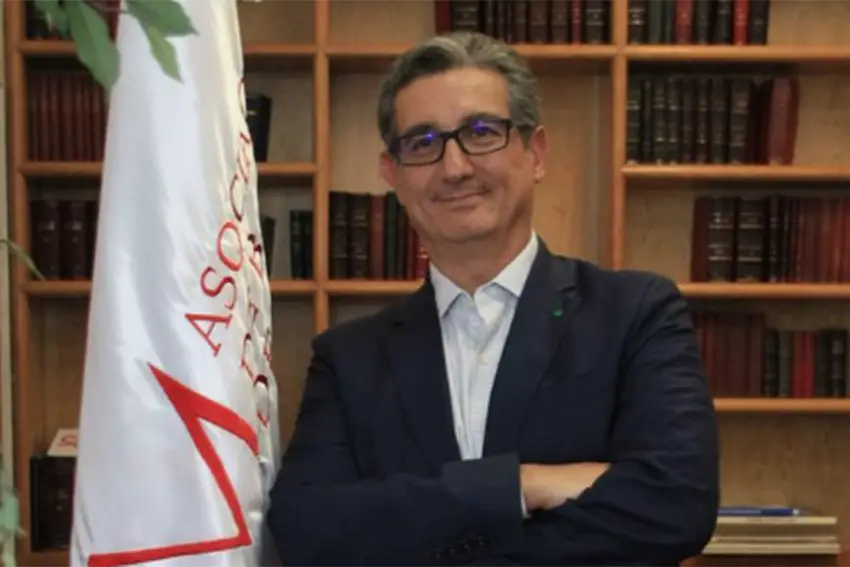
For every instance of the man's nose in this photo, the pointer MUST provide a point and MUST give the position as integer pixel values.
(456, 164)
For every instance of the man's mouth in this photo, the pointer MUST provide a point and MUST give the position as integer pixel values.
(460, 196)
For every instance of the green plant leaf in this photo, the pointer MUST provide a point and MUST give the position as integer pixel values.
(166, 16)
(94, 46)
(24, 257)
(163, 51)
(53, 14)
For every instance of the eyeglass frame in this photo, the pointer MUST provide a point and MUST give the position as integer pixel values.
(445, 135)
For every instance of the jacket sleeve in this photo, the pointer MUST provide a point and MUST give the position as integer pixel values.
(323, 511)
(657, 503)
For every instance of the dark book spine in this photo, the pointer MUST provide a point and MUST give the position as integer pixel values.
(359, 210)
(719, 120)
(749, 240)
(75, 247)
(637, 21)
(519, 10)
(774, 239)
(465, 15)
(297, 245)
(702, 21)
(722, 22)
(688, 131)
(740, 103)
(633, 121)
(560, 14)
(770, 380)
(258, 109)
(339, 235)
(721, 239)
(838, 363)
(391, 250)
(595, 21)
(759, 15)
(674, 119)
(46, 248)
(654, 22)
(660, 151)
(701, 118)
(538, 21)
(646, 106)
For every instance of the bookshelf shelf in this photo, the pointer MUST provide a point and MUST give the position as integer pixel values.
(785, 405)
(44, 558)
(797, 54)
(754, 173)
(46, 48)
(56, 289)
(356, 288)
(278, 50)
(46, 288)
(34, 169)
(63, 48)
(809, 291)
(370, 58)
(53, 169)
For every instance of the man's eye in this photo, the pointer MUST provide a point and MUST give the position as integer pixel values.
(418, 143)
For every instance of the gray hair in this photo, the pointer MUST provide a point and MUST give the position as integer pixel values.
(454, 51)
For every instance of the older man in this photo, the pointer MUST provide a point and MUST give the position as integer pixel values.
(520, 407)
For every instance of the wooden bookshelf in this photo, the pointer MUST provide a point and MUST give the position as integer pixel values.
(321, 62)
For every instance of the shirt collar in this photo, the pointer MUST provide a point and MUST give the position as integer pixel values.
(512, 277)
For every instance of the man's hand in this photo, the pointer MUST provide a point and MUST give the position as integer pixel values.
(548, 486)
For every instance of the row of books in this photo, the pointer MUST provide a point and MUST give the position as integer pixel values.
(63, 232)
(62, 236)
(371, 238)
(711, 118)
(745, 357)
(528, 21)
(700, 22)
(771, 238)
(67, 114)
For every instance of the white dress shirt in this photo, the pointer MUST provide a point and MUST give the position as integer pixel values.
(475, 328)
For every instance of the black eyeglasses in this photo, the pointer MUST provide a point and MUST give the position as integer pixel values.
(478, 137)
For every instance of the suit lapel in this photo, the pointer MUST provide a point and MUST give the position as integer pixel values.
(414, 346)
(542, 314)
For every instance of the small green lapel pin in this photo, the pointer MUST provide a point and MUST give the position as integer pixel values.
(557, 312)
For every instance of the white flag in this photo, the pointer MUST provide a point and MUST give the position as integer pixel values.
(178, 429)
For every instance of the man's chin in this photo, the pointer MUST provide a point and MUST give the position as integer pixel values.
(468, 234)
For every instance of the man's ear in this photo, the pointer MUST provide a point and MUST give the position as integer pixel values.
(538, 144)
(388, 169)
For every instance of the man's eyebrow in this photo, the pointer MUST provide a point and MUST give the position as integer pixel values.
(419, 129)
(481, 116)
(423, 127)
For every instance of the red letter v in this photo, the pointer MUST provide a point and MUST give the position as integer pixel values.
(192, 408)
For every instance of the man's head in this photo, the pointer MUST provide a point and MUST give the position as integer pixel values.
(480, 90)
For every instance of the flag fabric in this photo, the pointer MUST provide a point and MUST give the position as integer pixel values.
(178, 433)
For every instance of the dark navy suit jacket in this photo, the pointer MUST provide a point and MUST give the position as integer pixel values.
(598, 366)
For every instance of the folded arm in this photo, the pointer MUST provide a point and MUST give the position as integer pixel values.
(657, 501)
(324, 512)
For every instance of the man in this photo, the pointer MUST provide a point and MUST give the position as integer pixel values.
(519, 408)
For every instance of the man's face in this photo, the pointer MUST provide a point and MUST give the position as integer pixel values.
(461, 197)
